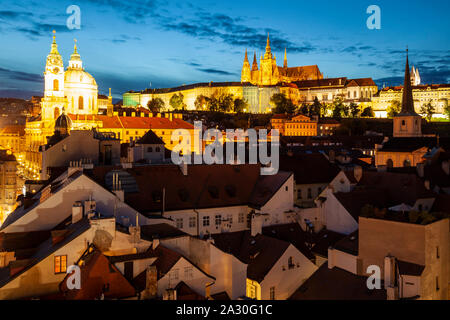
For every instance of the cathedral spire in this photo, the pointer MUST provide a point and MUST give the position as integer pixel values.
(407, 100)
(285, 58)
(255, 63)
(246, 57)
(268, 50)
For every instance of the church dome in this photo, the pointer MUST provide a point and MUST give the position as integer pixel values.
(79, 77)
(63, 123)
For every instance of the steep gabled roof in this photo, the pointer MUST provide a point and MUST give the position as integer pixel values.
(260, 252)
(150, 138)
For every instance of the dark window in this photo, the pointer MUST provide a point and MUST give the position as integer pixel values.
(80, 103)
(309, 193)
(128, 272)
(149, 149)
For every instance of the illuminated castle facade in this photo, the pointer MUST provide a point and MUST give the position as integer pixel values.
(269, 74)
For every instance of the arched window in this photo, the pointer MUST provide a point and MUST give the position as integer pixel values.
(407, 163)
(56, 113)
(55, 85)
(390, 163)
(80, 103)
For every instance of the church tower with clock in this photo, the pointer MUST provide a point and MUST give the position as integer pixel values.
(54, 99)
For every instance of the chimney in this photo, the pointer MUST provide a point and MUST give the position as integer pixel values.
(446, 167)
(58, 236)
(256, 224)
(420, 169)
(77, 212)
(184, 168)
(117, 187)
(358, 172)
(155, 243)
(151, 283)
(389, 271)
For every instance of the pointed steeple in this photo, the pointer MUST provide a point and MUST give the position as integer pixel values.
(246, 57)
(54, 49)
(285, 59)
(255, 63)
(268, 54)
(407, 100)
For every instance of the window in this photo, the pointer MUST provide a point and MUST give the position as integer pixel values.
(309, 193)
(319, 190)
(241, 217)
(299, 194)
(272, 293)
(158, 149)
(291, 263)
(192, 222)
(179, 223)
(188, 273)
(287, 188)
(218, 219)
(173, 276)
(55, 85)
(149, 149)
(80, 103)
(60, 264)
(206, 221)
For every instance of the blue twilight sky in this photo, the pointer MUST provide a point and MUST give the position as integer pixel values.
(128, 45)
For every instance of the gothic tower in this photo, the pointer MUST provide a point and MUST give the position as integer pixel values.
(54, 100)
(285, 65)
(268, 66)
(407, 123)
(246, 73)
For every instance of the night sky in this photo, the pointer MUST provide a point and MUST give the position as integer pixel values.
(128, 45)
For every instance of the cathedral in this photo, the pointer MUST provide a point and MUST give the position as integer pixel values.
(269, 74)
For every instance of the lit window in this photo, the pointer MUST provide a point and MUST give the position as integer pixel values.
(60, 264)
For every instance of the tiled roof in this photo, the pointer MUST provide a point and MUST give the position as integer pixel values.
(150, 138)
(408, 268)
(160, 231)
(362, 82)
(291, 233)
(260, 252)
(205, 186)
(336, 284)
(118, 122)
(186, 293)
(325, 239)
(309, 168)
(266, 187)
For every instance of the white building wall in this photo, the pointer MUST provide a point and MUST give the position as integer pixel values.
(287, 281)
(337, 218)
(342, 260)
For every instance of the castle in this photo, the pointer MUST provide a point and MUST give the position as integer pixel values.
(270, 74)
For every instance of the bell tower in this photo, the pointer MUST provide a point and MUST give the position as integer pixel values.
(54, 100)
(407, 123)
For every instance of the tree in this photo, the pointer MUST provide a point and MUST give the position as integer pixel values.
(354, 110)
(156, 105)
(339, 108)
(239, 105)
(394, 108)
(316, 108)
(368, 112)
(447, 110)
(177, 102)
(201, 102)
(428, 110)
(282, 104)
(225, 102)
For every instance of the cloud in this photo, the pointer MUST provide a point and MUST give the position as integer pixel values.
(20, 76)
(216, 71)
